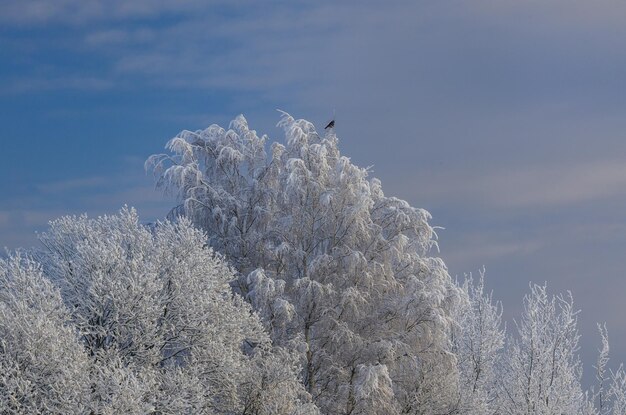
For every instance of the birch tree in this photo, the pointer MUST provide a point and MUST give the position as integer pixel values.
(609, 394)
(542, 370)
(338, 270)
(478, 340)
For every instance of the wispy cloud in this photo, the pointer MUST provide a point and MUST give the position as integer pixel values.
(114, 37)
(86, 11)
(97, 195)
(538, 187)
(35, 84)
(309, 50)
(575, 13)
(74, 184)
(480, 250)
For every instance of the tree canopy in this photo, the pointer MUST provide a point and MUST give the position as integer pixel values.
(336, 269)
(125, 319)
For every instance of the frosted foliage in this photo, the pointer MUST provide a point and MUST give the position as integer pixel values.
(373, 390)
(43, 369)
(337, 270)
(478, 339)
(542, 370)
(536, 370)
(616, 393)
(609, 395)
(121, 319)
(599, 393)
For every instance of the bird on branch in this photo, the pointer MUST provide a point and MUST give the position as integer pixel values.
(331, 124)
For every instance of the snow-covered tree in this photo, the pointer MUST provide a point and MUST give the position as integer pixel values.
(534, 371)
(616, 393)
(337, 270)
(43, 367)
(609, 395)
(478, 338)
(542, 370)
(135, 321)
(599, 392)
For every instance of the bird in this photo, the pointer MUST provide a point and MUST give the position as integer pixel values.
(331, 124)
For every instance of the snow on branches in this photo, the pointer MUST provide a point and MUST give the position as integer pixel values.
(122, 319)
(336, 269)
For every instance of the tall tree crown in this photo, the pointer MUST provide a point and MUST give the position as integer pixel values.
(335, 267)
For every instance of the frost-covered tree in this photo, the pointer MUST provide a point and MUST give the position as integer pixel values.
(43, 367)
(337, 270)
(542, 371)
(616, 393)
(609, 395)
(534, 371)
(478, 339)
(138, 321)
(599, 392)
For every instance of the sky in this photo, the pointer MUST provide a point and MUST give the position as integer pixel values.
(505, 119)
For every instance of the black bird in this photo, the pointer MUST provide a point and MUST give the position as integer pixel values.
(331, 124)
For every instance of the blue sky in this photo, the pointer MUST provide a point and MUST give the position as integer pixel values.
(505, 119)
